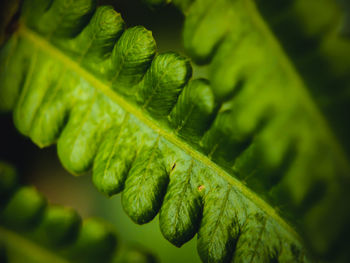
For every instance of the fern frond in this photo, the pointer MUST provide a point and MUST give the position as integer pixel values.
(320, 52)
(176, 145)
(33, 231)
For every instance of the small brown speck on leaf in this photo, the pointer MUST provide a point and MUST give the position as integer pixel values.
(201, 188)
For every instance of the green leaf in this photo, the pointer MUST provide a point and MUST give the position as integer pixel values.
(33, 231)
(320, 51)
(190, 150)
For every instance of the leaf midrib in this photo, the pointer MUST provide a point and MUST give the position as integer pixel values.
(152, 124)
(28, 246)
